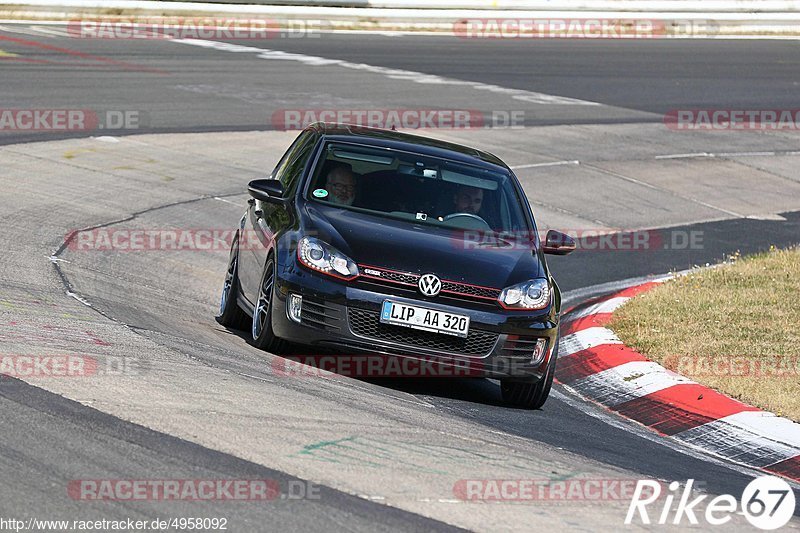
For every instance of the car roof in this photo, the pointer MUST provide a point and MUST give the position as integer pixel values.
(407, 142)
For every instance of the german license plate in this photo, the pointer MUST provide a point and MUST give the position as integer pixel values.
(415, 317)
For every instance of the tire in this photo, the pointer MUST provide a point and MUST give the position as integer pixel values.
(263, 337)
(530, 395)
(230, 314)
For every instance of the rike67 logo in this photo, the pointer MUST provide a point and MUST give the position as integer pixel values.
(767, 502)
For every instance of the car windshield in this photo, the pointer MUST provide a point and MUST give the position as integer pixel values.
(418, 188)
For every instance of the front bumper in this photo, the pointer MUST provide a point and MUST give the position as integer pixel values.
(344, 317)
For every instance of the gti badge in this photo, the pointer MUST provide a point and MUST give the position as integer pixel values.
(429, 285)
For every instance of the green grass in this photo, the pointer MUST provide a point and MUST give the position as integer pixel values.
(735, 328)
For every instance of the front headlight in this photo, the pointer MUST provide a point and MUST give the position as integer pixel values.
(322, 257)
(533, 294)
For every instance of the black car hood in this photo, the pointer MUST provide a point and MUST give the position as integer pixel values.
(420, 248)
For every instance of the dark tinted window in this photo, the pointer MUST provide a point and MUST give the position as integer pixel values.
(418, 188)
(290, 169)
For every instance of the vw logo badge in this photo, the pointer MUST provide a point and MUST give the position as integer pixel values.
(429, 285)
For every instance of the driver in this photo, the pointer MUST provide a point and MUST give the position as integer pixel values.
(341, 184)
(468, 199)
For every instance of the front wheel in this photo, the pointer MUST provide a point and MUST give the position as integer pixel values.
(230, 314)
(263, 336)
(531, 395)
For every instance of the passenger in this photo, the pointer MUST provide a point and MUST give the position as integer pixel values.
(341, 184)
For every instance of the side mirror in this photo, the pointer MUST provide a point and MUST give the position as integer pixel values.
(268, 190)
(558, 243)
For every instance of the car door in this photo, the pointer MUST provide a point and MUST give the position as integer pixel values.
(264, 220)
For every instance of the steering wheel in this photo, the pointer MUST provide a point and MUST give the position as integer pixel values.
(481, 222)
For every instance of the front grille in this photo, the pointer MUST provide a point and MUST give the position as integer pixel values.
(454, 288)
(320, 316)
(470, 290)
(399, 277)
(367, 324)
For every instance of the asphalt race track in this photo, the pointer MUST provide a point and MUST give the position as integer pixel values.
(195, 401)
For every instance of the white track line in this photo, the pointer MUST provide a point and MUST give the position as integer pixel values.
(577, 295)
(551, 164)
(606, 306)
(26, 31)
(391, 73)
(684, 156)
(51, 32)
(727, 154)
(668, 191)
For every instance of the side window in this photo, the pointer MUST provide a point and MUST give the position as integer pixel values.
(290, 169)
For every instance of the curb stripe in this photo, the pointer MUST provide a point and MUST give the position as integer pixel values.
(577, 310)
(630, 292)
(598, 320)
(627, 382)
(587, 362)
(746, 445)
(680, 408)
(789, 468)
(594, 362)
(585, 339)
(606, 305)
(776, 428)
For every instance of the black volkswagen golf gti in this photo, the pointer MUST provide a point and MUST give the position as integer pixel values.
(368, 241)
